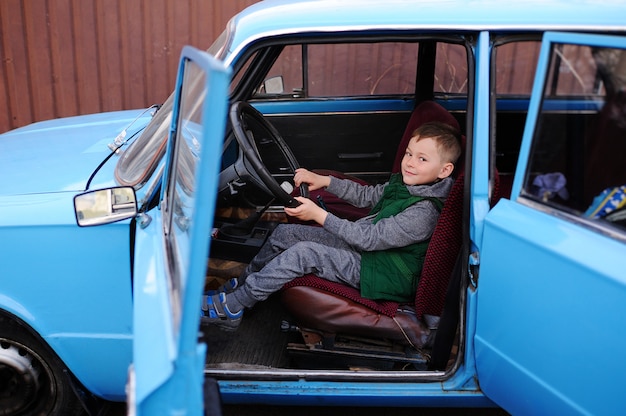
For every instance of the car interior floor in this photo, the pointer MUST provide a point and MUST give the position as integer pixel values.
(259, 341)
(267, 331)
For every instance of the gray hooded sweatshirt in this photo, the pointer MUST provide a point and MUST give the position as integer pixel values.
(414, 224)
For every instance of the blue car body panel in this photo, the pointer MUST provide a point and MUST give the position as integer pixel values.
(85, 310)
(72, 148)
(260, 20)
(535, 266)
(152, 313)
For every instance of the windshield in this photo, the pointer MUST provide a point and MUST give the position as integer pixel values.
(142, 157)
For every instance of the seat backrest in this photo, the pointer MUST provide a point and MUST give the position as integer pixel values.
(446, 239)
(424, 112)
(444, 246)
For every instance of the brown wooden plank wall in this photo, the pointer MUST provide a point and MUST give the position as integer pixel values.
(67, 57)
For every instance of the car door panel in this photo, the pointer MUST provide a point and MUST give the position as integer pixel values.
(542, 324)
(357, 143)
(549, 310)
(172, 245)
(355, 137)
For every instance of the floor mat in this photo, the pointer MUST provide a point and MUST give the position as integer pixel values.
(258, 342)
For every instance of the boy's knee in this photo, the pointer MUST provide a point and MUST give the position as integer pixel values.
(281, 232)
(308, 249)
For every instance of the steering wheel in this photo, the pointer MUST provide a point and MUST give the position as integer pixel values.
(252, 132)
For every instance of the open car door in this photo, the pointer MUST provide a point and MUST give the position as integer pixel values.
(551, 294)
(172, 242)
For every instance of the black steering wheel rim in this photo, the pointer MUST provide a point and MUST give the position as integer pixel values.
(238, 111)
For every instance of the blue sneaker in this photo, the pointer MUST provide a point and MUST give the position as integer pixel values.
(216, 312)
(229, 286)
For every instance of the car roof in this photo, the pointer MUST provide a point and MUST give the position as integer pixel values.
(276, 17)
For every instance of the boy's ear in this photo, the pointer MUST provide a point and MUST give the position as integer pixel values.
(446, 170)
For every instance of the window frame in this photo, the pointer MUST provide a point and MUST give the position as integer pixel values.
(254, 72)
(534, 127)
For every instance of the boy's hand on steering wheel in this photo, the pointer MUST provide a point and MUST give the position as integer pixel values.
(314, 180)
(307, 211)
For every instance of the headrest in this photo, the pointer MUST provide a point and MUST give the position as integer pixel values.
(425, 112)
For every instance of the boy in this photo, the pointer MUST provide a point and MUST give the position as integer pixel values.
(381, 254)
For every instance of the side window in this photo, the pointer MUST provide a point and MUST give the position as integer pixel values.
(515, 63)
(342, 70)
(579, 146)
(515, 67)
(362, 69)
(451, 69)
(180, 186)
(238, 76)
(288, 70)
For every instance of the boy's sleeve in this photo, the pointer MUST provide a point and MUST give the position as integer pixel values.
(414, 224)
(361, 196)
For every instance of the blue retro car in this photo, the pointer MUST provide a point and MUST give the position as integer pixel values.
(113, 225)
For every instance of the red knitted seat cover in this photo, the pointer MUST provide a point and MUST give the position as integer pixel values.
(441, 254)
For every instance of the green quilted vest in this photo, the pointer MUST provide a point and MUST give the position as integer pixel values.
(393, 274)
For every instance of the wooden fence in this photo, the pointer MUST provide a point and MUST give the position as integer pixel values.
(67, 57)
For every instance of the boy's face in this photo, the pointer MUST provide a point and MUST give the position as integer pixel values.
(422, 164)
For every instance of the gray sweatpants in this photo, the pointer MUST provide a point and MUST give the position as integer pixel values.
(294, 250)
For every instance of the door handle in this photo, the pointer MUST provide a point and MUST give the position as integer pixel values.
(360, 156)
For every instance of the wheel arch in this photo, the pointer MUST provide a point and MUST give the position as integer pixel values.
(85, 398)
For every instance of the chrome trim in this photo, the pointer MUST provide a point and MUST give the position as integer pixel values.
(326, 375)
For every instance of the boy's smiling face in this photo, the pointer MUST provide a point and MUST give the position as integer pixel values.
(422, 163)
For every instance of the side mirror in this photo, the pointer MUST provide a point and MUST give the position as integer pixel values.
(274, 85)
(105, 206)
(271, 86)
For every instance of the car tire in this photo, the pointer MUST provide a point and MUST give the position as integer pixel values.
(33, 380)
